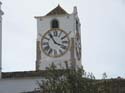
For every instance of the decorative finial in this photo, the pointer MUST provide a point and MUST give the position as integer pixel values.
(58, 5)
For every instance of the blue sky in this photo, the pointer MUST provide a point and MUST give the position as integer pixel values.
(103, 33)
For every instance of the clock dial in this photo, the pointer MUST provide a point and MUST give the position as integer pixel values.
(78, 46)
(55, 43)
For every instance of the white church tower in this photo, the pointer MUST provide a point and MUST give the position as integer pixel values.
(58, 39)
(1, 13)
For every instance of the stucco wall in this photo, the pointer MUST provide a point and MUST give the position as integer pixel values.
(18, 85)
(66, 23)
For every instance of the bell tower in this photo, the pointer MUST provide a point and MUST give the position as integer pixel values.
(58, 39)
(1, 13)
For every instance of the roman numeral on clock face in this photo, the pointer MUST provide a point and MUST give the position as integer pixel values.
(55, 33)
(65, 42)
(45, 43)
(63, 47)
(55, 52)
(59, 34)
(46, 48)
(60, 51)
(46, 38)
(50, 51)
(63, 37)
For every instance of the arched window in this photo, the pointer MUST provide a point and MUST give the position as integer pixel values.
(55, 23)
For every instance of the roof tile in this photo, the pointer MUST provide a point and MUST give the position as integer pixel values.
(57, 11)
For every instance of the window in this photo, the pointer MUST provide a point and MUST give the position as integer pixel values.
(54, 24)
(77, 25)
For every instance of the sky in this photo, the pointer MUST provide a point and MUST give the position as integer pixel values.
(102, 32)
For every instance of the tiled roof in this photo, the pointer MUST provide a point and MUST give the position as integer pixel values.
(24, 74)
(57, 11)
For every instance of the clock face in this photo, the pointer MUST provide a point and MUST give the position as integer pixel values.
(78, 46)
(55, 43)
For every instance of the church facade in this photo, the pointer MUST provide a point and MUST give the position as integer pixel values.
(58, 41)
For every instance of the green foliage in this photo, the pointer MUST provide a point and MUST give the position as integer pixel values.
(68, 80)
(104, 85)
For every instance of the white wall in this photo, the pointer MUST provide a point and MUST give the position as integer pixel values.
(18, 85)
(66, 23)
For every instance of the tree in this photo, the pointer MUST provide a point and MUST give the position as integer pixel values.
(69, 80)
(104, 84)
(104, 75)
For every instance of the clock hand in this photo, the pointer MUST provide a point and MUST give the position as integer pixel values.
(55, 41)
(52, 38)
(59, 44)
(66, 35)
